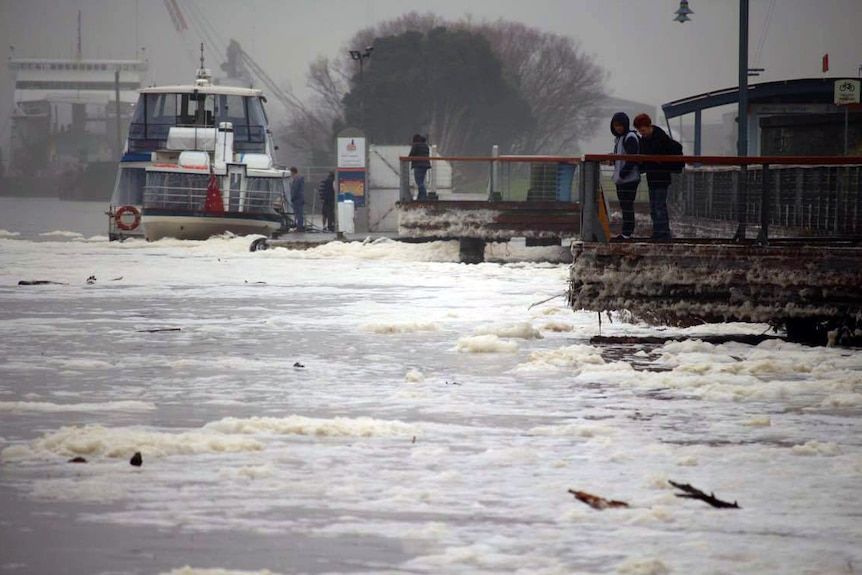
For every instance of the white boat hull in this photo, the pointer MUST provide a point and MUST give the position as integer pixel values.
(157, 227)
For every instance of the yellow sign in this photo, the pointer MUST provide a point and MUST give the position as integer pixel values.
(355, 187)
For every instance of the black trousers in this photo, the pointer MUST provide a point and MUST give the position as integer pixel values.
(626, 193)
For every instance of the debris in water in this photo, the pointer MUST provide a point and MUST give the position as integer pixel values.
(694, 493)
(78, 459)
(137, 460)
(595, 501)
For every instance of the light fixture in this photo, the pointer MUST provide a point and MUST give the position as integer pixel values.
(683, 13)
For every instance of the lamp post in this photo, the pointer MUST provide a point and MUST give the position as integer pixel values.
(682, 15)
(361, 57)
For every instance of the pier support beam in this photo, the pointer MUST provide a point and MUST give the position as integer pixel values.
(471, 250)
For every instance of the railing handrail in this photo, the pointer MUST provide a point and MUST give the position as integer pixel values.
(732, 160)
(509, 158)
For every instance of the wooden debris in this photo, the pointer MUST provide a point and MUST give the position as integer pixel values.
(137, 460)
(40, 283)
(158, 329)
(595, 501)
(694, 493)
(77, 459)
(298, 365)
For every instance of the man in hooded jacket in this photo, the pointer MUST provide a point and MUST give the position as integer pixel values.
(627, 176)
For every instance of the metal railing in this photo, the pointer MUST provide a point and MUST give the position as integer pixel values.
(194, 199)
(495, 178)
(787, 197)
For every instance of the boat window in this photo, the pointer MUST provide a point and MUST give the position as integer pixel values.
(153, 118)
(130, 187)
(196, 110)
(249, 122)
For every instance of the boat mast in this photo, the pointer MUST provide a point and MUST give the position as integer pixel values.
(79, 35)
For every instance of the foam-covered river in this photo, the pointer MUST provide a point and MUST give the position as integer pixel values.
(381, 408)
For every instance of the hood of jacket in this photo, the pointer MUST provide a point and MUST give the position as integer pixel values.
(623, 119)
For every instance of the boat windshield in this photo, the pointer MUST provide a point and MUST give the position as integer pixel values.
(156, 114)
(129, 189)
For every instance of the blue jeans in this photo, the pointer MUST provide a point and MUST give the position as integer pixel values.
(298, 216)
(419, 175)
(658, 212)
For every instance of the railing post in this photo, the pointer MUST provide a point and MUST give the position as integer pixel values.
(494, 194)
(763, 236)
(741, 202)
(591, 227)
(432, 179)
(404, 194)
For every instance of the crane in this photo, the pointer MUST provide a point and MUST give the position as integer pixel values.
(237, 64)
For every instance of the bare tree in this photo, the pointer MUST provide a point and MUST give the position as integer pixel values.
(560, 83)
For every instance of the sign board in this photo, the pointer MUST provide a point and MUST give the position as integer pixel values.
(351, 152)
(351, 186)
(847, 92)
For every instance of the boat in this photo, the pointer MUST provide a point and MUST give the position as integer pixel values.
(198, 162)
(66, 125)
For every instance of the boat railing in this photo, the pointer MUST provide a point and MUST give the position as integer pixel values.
(194, 198)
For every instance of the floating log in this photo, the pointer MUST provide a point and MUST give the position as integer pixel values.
(595, 501)
(694, 493)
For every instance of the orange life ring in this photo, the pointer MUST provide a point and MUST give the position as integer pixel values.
(118, 218)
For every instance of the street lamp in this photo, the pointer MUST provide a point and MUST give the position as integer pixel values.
(361, 57)
(683, 13)
(742, 109)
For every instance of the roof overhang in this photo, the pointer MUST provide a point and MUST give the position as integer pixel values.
(808, 90)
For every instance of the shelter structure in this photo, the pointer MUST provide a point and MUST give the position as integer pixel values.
(785, 118)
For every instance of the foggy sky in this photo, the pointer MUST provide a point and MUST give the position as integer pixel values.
(649, 58)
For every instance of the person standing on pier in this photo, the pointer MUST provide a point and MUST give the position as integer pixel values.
(420, 149)
(297, 198)
(627, 175)
(655, 142)
(326, 189)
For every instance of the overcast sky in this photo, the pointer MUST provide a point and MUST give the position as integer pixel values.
(649, 57)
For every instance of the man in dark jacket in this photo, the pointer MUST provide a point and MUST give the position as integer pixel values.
(420, 149)
(326, 189)
(297, 198)
(656, 142)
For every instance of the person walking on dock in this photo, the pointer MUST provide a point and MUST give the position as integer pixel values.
(420, 149)
(655, 142)
(297, 198)
(627, 175)
(326, 189)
